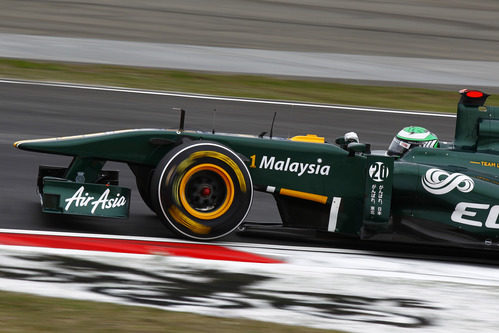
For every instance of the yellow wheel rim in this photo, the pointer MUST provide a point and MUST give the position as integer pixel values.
(227, 182)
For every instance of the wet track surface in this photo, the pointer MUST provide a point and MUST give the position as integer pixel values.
(31, 111)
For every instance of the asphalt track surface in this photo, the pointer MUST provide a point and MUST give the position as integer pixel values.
(450, 29)
(38, 111)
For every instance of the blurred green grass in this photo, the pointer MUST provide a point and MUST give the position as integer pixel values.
(251, 86)
(28, 313)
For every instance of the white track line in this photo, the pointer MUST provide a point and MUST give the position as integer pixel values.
(224, 98)
(177, 240)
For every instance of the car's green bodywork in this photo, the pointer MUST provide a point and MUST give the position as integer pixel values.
(448, 193)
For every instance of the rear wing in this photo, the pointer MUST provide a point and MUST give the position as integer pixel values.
(477, 126)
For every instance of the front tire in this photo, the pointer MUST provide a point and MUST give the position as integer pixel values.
(202, 190)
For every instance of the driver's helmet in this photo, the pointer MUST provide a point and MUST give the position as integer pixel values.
(410, 137)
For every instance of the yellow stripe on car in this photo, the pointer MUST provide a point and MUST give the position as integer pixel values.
(304, 195)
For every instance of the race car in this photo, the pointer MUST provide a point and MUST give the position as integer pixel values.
(201, 184)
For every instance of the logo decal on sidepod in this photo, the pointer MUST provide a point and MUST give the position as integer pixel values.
(288, 165)
(440, 182)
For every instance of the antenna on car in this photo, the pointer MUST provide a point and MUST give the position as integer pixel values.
(213, 122)
(182, 120)
(272, 127)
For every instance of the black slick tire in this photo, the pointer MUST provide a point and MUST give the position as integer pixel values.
(202, 190)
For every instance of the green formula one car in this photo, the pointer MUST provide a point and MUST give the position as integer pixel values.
(201, 184)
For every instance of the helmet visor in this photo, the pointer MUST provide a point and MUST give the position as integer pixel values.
(398, 147)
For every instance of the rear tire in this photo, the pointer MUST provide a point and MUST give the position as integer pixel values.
(202, 190)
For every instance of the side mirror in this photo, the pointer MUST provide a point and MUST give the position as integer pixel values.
(356, 147)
